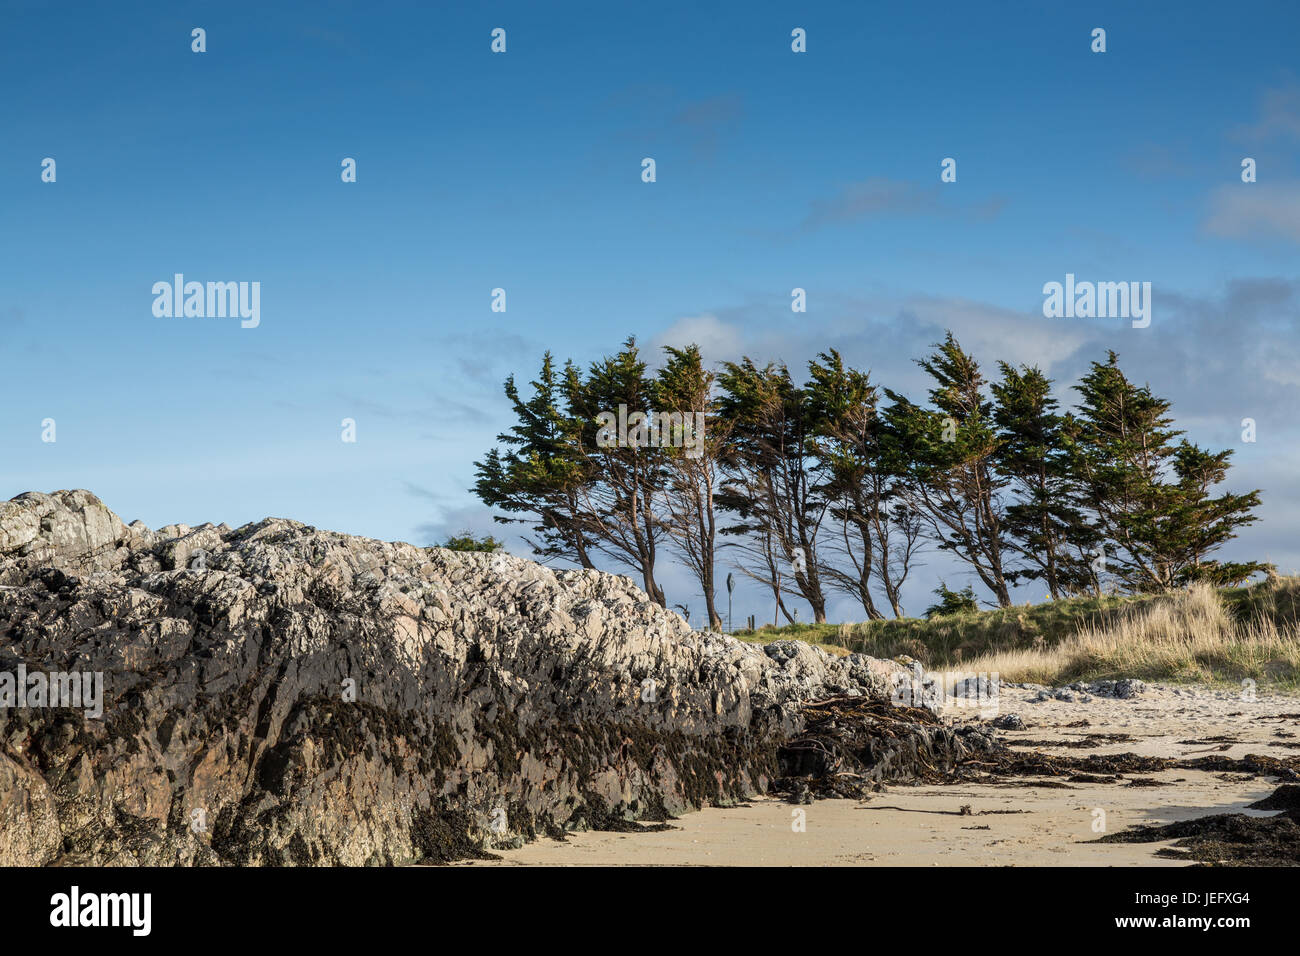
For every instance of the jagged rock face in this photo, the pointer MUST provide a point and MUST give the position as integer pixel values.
(276, 694)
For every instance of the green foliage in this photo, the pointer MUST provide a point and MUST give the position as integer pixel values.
(684, 389)
(1046, 525)
(952, 602)
(948, 454)
(772, 477)
(947, 640)
(973, 639)
(1149, 490)
(542, 470)
(826, 485)
(465, 541)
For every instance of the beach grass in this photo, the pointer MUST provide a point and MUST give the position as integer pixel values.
(1198, 635)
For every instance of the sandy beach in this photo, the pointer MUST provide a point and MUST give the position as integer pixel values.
(1027, 821)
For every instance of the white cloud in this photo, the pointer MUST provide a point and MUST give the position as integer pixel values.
(1255, 210)
(718, 340)
(992, 333)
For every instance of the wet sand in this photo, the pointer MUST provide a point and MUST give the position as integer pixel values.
(925, 825)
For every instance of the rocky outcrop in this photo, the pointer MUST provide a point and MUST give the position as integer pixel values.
(276, 694)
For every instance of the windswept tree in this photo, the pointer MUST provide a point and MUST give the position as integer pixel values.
(589, 489)
(698, 437)
(622, 506)
(542, 471)
(1046, 525)
(1205, 522)
(1149, 490)
(948, 454)
(826, 487)
(875, 535)
(771, 480)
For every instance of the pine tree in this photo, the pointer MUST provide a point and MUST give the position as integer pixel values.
(1208, 522)
(1150, 491)
(948, 453)
(1045, 525)
(685, 387)
(772, 482)
(623, 505)
(541, 472)
(877, 539)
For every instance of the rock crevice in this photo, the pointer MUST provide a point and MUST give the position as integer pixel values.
(277, 694)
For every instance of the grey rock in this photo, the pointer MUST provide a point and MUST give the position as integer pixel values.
(1129, 688)
(1124, 689)
(480, 681)
(976, 688)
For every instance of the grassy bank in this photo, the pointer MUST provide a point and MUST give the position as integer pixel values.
(1199, 635)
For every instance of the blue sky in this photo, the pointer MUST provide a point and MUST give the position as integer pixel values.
(522, 171)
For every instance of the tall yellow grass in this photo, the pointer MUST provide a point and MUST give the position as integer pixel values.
(1188, 636)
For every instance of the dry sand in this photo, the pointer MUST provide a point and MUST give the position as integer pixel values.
(923, 825)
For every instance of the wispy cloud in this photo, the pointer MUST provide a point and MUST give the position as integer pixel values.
(419, 491)
(1237, 350)
(1255, 211)
(660, 115)
(1156, 161)
(1279, 116)
(439, 411)
(880, 197)
(703, 123)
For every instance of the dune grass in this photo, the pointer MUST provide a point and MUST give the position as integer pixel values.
(1198, 636)
(825, 636)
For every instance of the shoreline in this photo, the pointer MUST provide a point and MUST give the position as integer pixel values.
(1024, 821)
